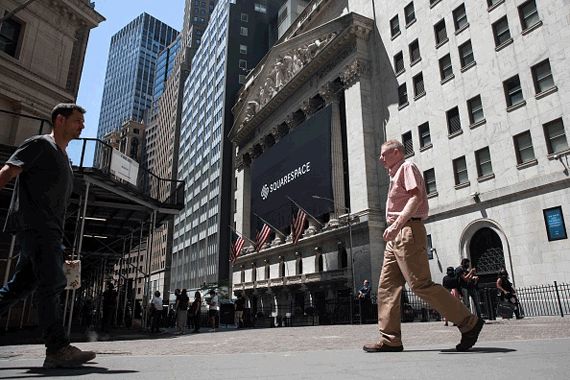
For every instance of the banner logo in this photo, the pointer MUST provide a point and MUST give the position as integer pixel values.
(287, 178)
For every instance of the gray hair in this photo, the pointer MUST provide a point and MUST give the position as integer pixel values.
(394, 144)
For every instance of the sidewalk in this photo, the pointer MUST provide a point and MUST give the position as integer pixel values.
(531, 348)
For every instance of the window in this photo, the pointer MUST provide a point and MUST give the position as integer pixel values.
(10, 31)
(402, 95)
(244, 17)
(423, 133)
(414, 52)
(483, 160)
(460, 171)
(241, 79)
(466, 54)
(555, 136)
(460, 18)
(475, 107)
(453, 121)
(419, 89)
(243, 31)
(501, 31)
(410, 13)
(261, 8)
(433, 2)
(242, 49)
(408, 144)
(394, 26)
(513, 91)
(242, 64)
(523, 148)
(440, 33)
(429, 179)
(399, 63)
(491, 3)
(542, 76)
(528, 14)
(445, 68)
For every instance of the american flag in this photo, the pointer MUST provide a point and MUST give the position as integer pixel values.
(298, 225)
(262, 237)
(236, 248)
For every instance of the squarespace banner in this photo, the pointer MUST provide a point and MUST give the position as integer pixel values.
(298, 166)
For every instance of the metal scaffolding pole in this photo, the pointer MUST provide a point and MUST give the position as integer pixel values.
(7, 275)
(78, 251)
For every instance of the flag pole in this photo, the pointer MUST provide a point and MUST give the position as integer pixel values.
(242, 235)
(305, 211)
(273, 228)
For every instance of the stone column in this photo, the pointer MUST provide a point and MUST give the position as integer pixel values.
(330, 95)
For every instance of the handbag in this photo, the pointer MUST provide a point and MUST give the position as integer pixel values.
(72, 271)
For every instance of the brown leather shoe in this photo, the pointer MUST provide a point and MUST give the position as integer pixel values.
(469, 338)
(381, 347)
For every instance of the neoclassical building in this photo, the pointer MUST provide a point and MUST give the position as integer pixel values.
(308, 127)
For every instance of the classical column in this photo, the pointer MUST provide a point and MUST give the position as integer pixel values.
(330, 95)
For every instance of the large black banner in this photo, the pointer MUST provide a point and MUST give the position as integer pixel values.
(298, 167)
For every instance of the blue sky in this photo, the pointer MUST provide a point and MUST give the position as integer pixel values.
(118, 13)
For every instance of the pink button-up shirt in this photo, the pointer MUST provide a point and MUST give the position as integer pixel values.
(406, 177)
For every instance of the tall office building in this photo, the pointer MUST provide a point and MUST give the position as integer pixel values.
(164, 126)
(237, 37)
(129, 80)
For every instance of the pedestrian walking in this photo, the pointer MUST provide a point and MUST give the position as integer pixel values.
(507, 294)
(468, 282)
(451, 283)
(196, 311)
(213, 309)
(44, 182)
(238, 312)
(405, 258)
(155, 312)
(364, 302)
(109, 305)
(182, 311)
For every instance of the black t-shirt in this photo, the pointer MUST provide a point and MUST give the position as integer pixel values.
(183, 301)
(43, 188)
(240, 304)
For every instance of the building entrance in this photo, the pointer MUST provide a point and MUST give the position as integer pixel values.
(486, 251)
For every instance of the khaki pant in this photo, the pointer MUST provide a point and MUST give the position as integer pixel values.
(405, 260)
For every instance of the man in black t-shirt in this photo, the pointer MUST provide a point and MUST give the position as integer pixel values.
(44, 182)
(468, 281)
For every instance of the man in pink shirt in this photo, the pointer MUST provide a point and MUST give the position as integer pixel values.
(405, 258)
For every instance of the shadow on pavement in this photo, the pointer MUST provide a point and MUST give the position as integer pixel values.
(33, 372)
(479, 350)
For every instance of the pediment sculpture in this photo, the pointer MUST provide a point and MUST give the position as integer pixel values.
(284, 68)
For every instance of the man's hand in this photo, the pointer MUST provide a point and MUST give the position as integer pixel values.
(391, 232)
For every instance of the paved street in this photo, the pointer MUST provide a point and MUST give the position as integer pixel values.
(531, 348)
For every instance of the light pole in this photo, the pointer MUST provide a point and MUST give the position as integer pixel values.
(349, 220)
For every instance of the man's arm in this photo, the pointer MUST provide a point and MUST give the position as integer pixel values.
(7, 173)
(410, 208)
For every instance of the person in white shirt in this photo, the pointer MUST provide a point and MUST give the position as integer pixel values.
(213, 309)
(156, 311)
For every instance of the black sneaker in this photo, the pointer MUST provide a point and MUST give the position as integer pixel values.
(68, 357)
(469, 338)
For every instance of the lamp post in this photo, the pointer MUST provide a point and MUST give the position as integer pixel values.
(349, 220)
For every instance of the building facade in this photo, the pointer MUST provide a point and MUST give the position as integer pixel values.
(129, 79)
(42, 49)
(475, 91)
(236, 39)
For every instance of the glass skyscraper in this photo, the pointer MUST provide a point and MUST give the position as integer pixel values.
(129, 80)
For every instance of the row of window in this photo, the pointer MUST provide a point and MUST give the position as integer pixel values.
(554, 135)
(543, 81)
(528, 15)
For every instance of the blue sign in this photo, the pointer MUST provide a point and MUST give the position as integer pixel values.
(554, 220)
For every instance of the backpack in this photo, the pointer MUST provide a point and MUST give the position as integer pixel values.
(451, 280)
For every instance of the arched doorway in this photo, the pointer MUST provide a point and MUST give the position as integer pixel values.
(486, 251)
